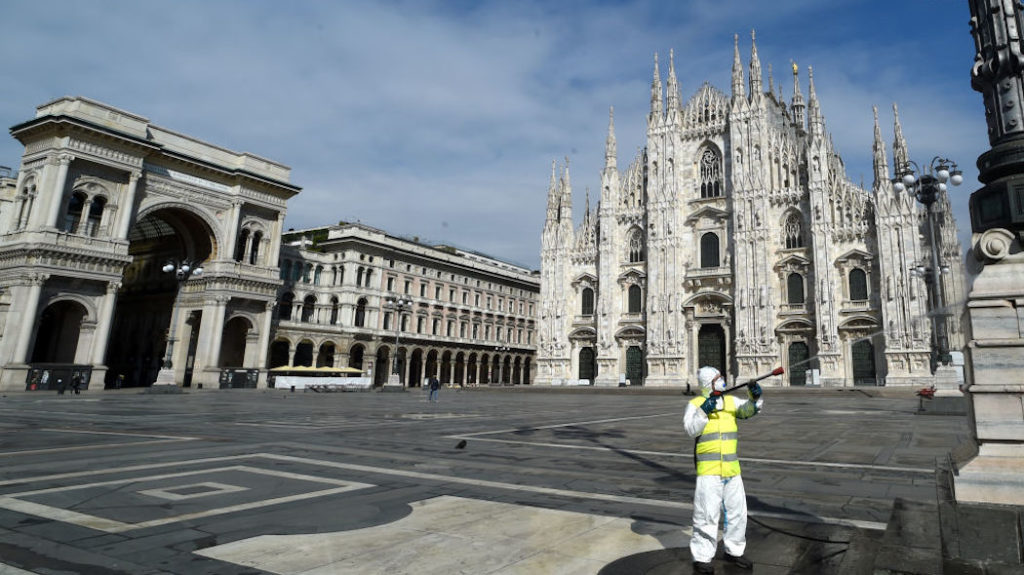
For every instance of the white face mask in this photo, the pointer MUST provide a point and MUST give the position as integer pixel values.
(718, 384)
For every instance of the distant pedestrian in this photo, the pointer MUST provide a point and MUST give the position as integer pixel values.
(61, 386)
(76, 384)
(435, 385)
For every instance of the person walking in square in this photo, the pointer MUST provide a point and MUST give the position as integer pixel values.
(711, 419)
(435, 385)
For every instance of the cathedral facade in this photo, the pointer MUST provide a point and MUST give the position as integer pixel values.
(735, 239)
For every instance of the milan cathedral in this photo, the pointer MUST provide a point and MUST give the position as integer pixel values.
(735, 239)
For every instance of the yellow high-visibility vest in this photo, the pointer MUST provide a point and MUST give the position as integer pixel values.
(715, 450)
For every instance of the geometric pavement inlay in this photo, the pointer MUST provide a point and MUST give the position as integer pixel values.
(127, 504)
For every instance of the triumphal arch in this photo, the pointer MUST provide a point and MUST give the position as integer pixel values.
(105, 209)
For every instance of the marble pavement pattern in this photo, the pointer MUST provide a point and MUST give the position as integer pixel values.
(457, 535)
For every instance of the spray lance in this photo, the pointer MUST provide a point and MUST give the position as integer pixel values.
(776, 371)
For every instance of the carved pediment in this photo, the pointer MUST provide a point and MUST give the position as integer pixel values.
(792, 262)
(859, 322)
(587, 333)
(585, 280)
(707, 216)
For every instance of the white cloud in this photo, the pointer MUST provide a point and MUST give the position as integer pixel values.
(440, 120)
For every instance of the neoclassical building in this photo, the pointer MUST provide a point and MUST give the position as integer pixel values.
(734, 238)
(468, 318)
(103, 201)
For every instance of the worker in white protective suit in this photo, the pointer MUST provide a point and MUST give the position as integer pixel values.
(711, 418)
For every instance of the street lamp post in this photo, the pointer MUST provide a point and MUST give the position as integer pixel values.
(399, 305)
(926, 189)
(503, 348)
(182, 270)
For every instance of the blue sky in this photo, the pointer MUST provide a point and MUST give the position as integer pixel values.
(440, 119)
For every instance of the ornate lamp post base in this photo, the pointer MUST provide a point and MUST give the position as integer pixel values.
(165, 377)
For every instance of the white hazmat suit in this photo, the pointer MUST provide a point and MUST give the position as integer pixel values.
(719, 485)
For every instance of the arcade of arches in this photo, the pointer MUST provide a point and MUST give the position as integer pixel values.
(450, 366)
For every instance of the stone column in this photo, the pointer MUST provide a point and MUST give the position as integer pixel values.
(273, 254)
(83, 218)
(26, 328)
(264, 342)
(217, 332)
(126, 207)
(57, 193)
(106, 312)
(18, 206)
(232, 226)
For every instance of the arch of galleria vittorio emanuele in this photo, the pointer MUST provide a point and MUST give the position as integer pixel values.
(103, 200)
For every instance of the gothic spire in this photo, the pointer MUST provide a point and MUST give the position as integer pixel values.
(553, 198)
(900, 155)
(880, 163)
(737, 69)
(655, 93)
(566, 201)
(672, 90)
(815, 123)
(610, 146)
(771, 82)
(798, 99)
(755, 68)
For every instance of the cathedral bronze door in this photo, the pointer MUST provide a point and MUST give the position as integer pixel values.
(798, 359)
(635, 365)
(863, 355)
(588, 364)
(711, 346)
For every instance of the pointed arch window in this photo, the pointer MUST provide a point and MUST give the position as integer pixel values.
(254, 253)
(587, 298)
(240, 245)
(709, 252)
(710, 173)
(74, 213)
(795, 288)
(636, 246)
(635, 299)
(858, 285)
(360, 319)
(284, 308)
(308, 309)
(793, 232)
(92, 224)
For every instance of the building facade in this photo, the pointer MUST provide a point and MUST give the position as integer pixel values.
(103, 201)
(735, 239)
(465, 318)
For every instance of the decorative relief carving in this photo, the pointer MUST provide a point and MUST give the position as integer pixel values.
(104, 152)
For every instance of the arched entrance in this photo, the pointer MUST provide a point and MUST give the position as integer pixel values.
(58, 333)
(862, 354)
(303, 354)
(148, 296)
(382, 368)
(355, 356)
(279, 353)
(416, 368)
(588, 364)
(711, 346)
(635, 365)
(446, 367)
(799, 356)
(325, 356)
(232, 348)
